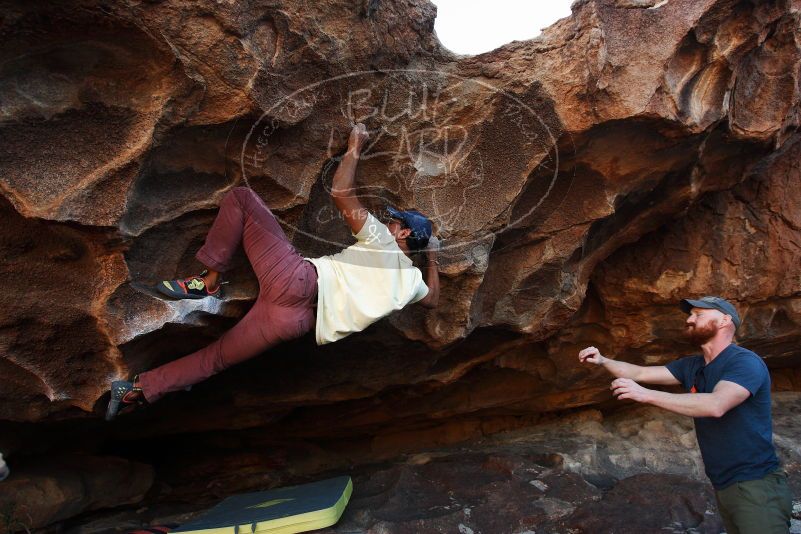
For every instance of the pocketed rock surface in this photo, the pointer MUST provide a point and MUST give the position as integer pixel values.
(584, 181)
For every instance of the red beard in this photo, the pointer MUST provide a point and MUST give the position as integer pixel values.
(699, 335)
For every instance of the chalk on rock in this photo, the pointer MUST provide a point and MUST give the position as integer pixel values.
(4, 471)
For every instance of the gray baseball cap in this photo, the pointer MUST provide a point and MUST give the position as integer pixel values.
(712, 303)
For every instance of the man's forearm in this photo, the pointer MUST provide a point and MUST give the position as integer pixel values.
(692, 404)
(345, 175)
(621, 369)
(432, 279)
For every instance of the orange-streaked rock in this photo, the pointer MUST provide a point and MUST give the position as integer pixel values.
(635, 153)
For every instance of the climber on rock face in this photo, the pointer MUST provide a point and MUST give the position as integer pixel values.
(729, 398)
(335, 295)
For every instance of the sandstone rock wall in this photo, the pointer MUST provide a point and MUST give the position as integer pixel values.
(123, 126)
(584, 181)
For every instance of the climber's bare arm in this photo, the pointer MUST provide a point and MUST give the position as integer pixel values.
(431, 274)
(342, 190)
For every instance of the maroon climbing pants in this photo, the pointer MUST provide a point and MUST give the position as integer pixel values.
(284, 309)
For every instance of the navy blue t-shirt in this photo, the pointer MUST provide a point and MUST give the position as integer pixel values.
(739, 445)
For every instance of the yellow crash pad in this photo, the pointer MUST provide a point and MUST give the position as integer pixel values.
(277, 511)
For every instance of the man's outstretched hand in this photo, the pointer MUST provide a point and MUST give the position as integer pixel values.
(358, 136)
(591, 355)
(626, 388)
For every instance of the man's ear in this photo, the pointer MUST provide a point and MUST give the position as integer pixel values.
(404, 233)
